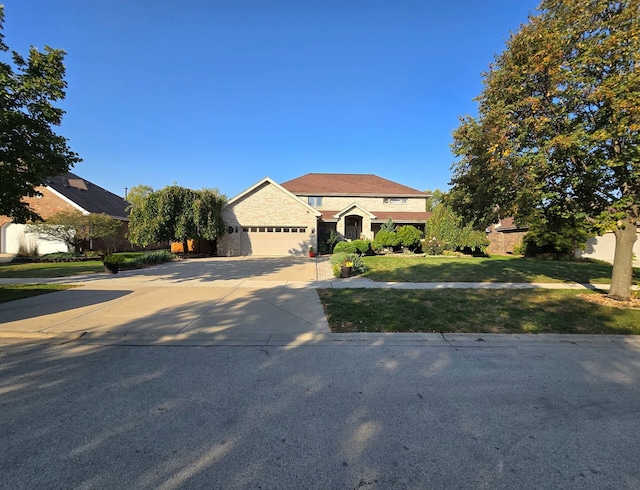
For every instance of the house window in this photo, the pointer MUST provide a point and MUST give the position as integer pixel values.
(315, 202)
(395, 200)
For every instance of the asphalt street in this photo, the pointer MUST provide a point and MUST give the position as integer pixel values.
(369, 415)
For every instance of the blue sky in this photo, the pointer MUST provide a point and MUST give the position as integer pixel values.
(223, 93)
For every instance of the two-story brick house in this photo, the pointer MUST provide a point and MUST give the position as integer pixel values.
(286, 219)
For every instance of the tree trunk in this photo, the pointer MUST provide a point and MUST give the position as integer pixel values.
(185, 246)
(622, 274)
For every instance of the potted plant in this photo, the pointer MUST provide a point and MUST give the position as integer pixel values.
(345, 270)
(112, 263)
(312, 252)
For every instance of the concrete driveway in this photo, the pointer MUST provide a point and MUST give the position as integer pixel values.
(248, 300)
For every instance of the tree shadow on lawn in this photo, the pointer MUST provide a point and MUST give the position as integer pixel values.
(57, 302)
(474, 311)
(493, 269)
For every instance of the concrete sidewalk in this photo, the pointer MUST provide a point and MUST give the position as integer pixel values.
(207, 302)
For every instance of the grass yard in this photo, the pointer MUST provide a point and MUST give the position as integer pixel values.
(486, 269)
(474, 311)
(49, 269)
(11, 292)
(27, 270)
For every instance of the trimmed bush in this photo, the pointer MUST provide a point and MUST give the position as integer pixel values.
(409, 236)
(362, 247)
(344, 247)
(386, 238)
(151, 258)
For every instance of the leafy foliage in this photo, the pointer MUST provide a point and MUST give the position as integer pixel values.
(556, 142)
(338, 259)
(444, 231)
(30, 150)
(435, 198)
(178, 214)
(389, 226)
(360, 247)
(386, 238)
(137, 194)
(409, 236)
(74, 227)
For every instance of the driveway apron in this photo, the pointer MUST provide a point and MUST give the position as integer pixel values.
(219, 298)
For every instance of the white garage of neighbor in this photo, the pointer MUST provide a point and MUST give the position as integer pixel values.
(15, 236)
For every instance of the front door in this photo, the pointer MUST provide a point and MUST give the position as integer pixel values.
(353, 227)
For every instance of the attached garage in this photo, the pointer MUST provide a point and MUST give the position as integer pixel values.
(273, 240)
(266, 219)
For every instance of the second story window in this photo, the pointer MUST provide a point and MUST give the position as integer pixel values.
(315, 202)
(395, 200)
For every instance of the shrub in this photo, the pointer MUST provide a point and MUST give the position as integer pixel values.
(114, 259)
(344, 247)
(386, 238)
(362, 247)
(27, 248)
(433, 247)
(151, 258)
(409, 236)
(341, 258)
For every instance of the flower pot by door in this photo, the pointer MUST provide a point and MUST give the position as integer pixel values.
(345, 271)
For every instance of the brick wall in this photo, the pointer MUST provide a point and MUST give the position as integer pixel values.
(503, 242)
(265, 206)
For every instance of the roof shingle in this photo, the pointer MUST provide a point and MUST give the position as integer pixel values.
(348, 185)
(88, 196)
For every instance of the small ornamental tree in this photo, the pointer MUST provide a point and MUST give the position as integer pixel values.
(445, 228)
(74, 228)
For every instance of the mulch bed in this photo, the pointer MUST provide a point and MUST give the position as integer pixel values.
(604, 300)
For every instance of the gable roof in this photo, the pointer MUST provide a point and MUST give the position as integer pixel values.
(88, 196)
(348, 185)
(350, 208)
(269, 181)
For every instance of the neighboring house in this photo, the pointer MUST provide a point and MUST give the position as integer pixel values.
(603, 248)
(504, 236)
(286, 219)
(66, 192)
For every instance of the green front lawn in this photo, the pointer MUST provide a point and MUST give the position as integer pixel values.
(10, 292)
(474, 311)
(49, 269)
(62, 269)
(485, 269)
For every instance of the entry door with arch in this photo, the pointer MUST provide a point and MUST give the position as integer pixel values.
(353, 227)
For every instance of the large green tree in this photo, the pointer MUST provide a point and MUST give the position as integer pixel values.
(30, 150)
(137, 194)
(557, 136)
(178, 214)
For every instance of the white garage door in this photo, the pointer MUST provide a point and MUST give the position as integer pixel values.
(274, 240)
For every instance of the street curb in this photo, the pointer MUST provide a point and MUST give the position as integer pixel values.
(452, 340)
